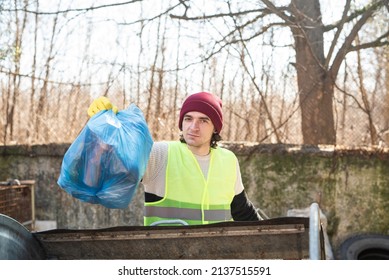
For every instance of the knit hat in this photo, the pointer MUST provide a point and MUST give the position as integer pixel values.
(206, 103)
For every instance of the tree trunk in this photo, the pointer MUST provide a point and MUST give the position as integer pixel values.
(315, 86)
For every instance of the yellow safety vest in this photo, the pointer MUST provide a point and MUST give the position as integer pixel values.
(191, 197)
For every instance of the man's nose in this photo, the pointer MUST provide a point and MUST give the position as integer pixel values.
(195, 124)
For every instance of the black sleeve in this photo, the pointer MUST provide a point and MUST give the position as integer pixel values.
(150, 197)
(243, 210)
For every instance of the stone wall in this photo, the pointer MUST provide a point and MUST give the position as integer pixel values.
(351, 186)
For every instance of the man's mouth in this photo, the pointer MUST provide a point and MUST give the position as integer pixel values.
(192, 135)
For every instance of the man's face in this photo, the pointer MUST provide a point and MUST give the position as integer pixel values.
(197, 129)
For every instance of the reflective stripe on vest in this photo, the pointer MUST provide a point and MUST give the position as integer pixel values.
(191, 197)
(188, 214)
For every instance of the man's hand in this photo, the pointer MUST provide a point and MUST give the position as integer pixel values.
(101, 103)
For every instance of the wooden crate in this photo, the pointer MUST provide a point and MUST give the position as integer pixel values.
(18, 202)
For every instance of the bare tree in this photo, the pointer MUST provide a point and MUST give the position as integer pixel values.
(31, 132)
(367, 107)
(40, 126)
(174, 100)
(316, 71)
(385, 130)
(13, 91)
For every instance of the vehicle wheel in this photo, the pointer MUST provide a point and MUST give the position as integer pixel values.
(365, 247)
(16, 242)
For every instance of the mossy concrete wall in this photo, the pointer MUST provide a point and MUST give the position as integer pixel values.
(351, 186)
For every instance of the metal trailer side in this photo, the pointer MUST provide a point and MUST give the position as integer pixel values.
(277, 238)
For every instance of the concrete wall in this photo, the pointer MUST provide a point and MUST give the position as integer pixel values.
(352, 186)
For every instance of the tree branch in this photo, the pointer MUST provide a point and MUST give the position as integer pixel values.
(152, 18)
(345, 48)
(74, 10)
(353, 16)
(337, 34)
(279, 11)
(230, 14)
(374, 44)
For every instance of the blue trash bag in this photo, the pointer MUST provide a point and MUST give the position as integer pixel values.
(107, 160)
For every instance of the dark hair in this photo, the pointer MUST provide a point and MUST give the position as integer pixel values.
(215, 138)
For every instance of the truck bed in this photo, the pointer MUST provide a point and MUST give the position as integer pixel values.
(278, 238)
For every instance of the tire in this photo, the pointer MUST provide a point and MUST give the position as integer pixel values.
(365, 247)
(16, 242)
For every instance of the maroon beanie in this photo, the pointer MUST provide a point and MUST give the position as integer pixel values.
(206, 103)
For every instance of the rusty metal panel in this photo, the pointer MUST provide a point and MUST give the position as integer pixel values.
(280, 238)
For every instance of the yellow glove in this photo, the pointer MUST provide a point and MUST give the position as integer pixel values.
(101, 103)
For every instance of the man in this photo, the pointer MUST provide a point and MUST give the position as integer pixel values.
(193, 180)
